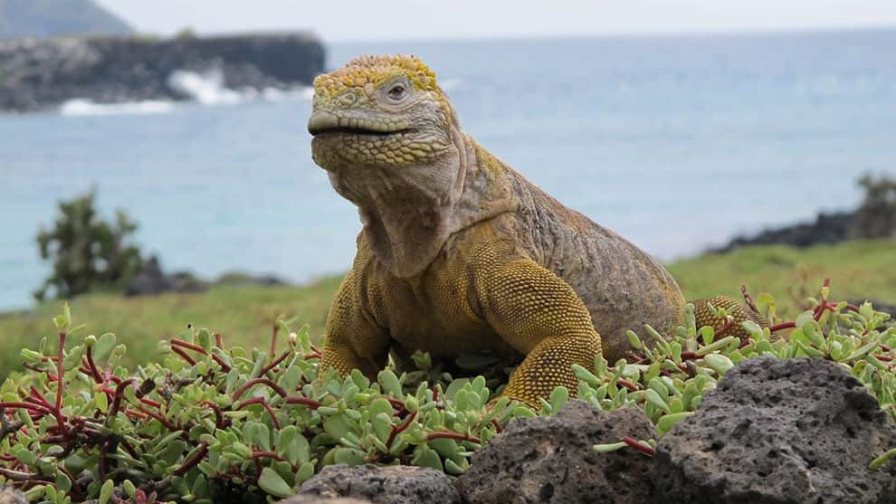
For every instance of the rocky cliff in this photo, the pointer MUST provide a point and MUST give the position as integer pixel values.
(40, 74)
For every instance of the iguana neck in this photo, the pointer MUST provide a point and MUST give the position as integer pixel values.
(409, 213)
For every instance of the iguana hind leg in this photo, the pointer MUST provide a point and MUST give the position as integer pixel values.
(722, 326)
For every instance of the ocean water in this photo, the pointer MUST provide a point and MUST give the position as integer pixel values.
(678, 143)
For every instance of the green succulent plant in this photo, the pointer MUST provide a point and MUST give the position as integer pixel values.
(207, 421)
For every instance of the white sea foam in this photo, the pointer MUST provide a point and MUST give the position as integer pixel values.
(83, 107)
(205, 88)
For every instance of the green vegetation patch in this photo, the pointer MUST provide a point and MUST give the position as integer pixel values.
(245, 314)
(208, 421)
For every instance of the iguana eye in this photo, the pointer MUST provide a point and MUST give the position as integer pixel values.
(397, 91)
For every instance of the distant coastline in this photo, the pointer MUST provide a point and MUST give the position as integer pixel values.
(43, 74)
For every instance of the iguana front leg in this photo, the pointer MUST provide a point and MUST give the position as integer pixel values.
(353, 339)
(539, 315)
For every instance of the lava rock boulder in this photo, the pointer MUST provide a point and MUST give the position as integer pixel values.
(551, 459)
(382, 485)
(779, 431)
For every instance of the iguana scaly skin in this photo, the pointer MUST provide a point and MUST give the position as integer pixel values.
(458, 251)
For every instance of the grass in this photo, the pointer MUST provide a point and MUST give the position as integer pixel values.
(245, 315)
(858, 270)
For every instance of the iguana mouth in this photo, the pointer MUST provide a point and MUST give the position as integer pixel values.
(326, 123)
(354, 131)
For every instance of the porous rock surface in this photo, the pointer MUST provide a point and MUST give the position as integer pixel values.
(382, 485)
(779, 431)
(10, 495)
(551, 459)
(310, 499)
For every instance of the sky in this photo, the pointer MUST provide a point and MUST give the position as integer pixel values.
(343, 20)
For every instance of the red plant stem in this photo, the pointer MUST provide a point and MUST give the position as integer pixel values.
(102, 460)
(783, 325)
(130, 449)
(274, 330)
(188, 345)
(256, 381)
(689, 355)
(193, 461)
(219, 341)
(219, 416)
(273, 364)
(637, 445)
(304, 401)
(16, 475)
(729, 322)
(267, 454)
(135, 414)
(150, 402)
(398, 429)
(397, 405)
(220, 361)
(184, 355)
(92, 366)
(26, 405)
(43, 400)
(164, 421)
(498, 428)
(748, 299)
(632, 387)
(264, 404)
(119, 394)
(60, 371)
(452, 435)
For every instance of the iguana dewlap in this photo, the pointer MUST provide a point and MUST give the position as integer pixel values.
(458, 251)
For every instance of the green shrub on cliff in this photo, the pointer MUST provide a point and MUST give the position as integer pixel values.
(876, 215)
(87, 252)
(209, 421)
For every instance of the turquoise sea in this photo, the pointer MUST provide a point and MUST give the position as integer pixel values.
(676, 142)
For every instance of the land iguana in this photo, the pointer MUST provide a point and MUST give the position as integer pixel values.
(459, 252)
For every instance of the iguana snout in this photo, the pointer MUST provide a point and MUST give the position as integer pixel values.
(379, 111)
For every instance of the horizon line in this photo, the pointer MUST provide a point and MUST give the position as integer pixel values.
(663, 33)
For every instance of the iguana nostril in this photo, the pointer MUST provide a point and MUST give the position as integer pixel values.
(348, 99)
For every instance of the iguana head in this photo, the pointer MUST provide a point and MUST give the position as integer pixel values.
(391, 144)
(380, 111)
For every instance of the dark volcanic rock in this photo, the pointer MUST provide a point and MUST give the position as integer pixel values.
(779, 431)
(878, 305)
(550, 459)
(310, 499)
(382, 485)
(39, 74)
(151, 280)
(827, 229)
(9, 495)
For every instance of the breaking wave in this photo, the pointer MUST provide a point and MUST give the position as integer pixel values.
(82, 107)
(206, 88)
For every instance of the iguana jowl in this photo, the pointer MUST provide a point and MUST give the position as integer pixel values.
(458, 251)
